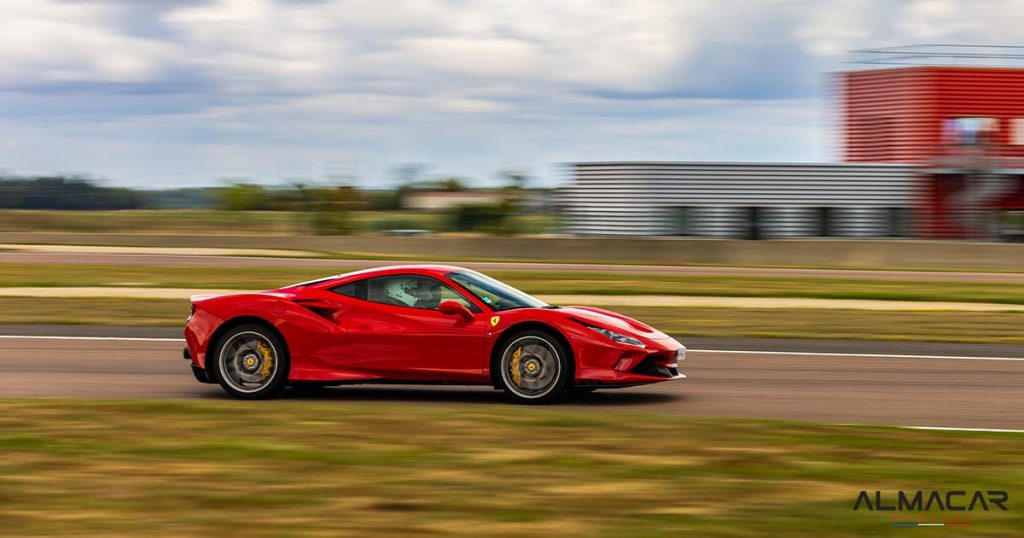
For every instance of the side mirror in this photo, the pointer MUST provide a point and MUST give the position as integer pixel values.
(455, 308)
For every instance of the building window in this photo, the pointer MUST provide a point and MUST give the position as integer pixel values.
(824, 225)
(969, 131)
(896, 221)
(753, 225)
(684, 220)
(1011, 225)
(1017, 131)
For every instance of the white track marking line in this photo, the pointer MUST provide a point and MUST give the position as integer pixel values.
(950, 429)
(744, 352)
(862, 355)
(930, 428)
(108, 338)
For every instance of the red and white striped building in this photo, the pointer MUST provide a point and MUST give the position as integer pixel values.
(961, 126)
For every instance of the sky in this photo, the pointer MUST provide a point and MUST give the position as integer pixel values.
(177, 93)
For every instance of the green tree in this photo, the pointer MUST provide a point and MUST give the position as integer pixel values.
(244, 197)
(516, 179)
(331, 210)
(451, 184)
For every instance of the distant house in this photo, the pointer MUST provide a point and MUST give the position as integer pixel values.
(431, 200)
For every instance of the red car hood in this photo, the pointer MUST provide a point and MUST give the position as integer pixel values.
(612, 321)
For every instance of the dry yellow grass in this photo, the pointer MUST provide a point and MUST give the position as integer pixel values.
(161, 468)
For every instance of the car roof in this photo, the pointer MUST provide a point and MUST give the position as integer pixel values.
(419, 269)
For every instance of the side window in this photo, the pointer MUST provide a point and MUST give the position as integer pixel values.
(448, 294)
(413, 291)
(356, 289)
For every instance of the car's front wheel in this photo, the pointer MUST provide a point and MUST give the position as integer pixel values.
(252, 363)
(534, 367)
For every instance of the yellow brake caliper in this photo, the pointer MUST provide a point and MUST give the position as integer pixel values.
(268, 359)
(514, 366)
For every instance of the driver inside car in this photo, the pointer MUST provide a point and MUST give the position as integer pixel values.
(417, 293)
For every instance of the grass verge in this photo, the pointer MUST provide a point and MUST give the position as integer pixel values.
(94, 311)
(974, 327)
(539, 282)
(157, 468)
(222, 222)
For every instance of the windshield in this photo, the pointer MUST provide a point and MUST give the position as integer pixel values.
(497, 295)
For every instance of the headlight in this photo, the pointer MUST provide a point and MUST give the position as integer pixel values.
(616, 337)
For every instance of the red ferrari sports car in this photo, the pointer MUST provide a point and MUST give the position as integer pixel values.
(419, 324)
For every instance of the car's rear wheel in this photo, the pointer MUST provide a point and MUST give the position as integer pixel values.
(252, 363)
(534, 368)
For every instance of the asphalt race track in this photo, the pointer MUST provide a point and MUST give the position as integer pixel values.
(868, 384)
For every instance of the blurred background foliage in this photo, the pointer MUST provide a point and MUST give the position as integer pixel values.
(65, 193)
(76, 204)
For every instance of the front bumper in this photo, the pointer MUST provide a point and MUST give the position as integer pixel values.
(607, 363)
(621, 382)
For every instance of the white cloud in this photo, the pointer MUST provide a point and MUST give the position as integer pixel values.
(996, 22)
(315, 45)
(47, 41)
(238, 84)
(272, 45)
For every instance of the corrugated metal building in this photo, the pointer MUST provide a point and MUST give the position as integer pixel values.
(738, 200)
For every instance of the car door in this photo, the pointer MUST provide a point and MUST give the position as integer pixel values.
(315, 322)
(399, 333)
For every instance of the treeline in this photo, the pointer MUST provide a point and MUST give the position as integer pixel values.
(60, 192)
(299, 197)
(65, 193)
(83, 194)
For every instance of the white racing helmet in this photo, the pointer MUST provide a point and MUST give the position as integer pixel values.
(402, 290)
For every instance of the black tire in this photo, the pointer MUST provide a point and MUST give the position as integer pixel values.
(544, 367)
(240, 360)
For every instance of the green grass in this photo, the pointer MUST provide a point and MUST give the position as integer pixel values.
(949, 326)
(63, 275)
(165, 468)
(93, 311)
(539, 282)
(220, 222)
(156, 221)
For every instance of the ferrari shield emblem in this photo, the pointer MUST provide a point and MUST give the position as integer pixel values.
(495, 320)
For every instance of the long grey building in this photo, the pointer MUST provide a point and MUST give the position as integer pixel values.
(738, 200)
